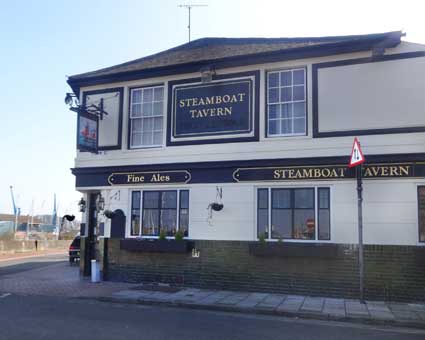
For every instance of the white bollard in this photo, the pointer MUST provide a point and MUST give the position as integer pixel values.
(95, 271)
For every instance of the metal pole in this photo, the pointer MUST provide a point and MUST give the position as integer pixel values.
(360, 223)
(189, 22)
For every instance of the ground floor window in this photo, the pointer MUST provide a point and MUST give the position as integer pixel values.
(291, 213)
(421, 212)
(159, 210)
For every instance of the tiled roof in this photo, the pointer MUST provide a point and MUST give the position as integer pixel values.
(219, 49)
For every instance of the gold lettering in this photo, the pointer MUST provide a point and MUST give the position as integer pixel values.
(291, 173)
(277, 174)
(226, 98)
(317, 173)
(393, 171)
(342, 172)
(404, 170)
(218, 99)
(241, 95)
(384, 170)
(326, 172)
(367, 173)
(307, 173)
(181, 103)
(227, 110)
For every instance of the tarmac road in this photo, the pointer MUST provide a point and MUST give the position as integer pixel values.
(16, 265)
(43, 318)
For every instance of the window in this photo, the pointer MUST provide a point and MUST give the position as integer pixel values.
(292, 213)
(421, 212)
(146, 116)
(286, 102)
(153, 211)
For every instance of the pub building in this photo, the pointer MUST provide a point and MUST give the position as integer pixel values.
(223, 163)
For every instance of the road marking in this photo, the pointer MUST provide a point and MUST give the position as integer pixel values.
(4, 295)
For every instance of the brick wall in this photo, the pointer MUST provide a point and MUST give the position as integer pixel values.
(392, 272)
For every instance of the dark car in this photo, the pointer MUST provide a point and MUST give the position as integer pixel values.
(74, 250)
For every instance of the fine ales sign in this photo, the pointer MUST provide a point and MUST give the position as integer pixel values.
(217, 108)
(150, 177)
(324, 172)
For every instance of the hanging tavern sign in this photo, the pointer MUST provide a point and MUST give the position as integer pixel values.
(213, 109)
(150, 177)
(327, 172)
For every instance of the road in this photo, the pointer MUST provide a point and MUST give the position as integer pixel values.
(35, 317)
(16, 265)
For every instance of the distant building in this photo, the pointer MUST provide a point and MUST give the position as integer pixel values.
(228, 141)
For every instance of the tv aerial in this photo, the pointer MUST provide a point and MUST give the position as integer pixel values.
(189, 7)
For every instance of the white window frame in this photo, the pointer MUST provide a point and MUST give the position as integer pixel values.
(316, 212)
(178, 190)
(280, 102)
(132, 117)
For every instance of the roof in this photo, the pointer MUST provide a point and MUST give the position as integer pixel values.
(216, 50)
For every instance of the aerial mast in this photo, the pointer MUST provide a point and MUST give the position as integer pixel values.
(189, 7)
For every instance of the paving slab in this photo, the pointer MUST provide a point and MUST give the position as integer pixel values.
(356, 308)
(271, 301)
(214, 297)
(335, 307)
(292, 303)
(232, 299)
(251, 300)
(313, 304)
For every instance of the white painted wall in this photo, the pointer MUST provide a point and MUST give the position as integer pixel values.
(280, 147)
(389, 210)
(378, 95)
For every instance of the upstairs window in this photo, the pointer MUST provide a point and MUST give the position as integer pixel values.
(286, 103)
(146, 117)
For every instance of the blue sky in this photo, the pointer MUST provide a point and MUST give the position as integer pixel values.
(43, 41)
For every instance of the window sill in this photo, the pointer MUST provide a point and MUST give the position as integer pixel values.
(155, 245)
(291, 249)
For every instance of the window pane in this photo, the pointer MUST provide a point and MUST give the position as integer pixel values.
(147, 109)
(147, 138)
(184, 221)
(157, 138)
(169, 199)
(324, 224)
(298, 77)
(274, 111)
(286, 126)
(157, 124)
(323, 194)
(147, 95)
(136, 110)
(147, 124)
(304, 198)
(281, 198)
(158, 94)
(273, 79)
(168, 221)
(285, 78)
(286, 110)
(273, 96)
(421, 208)
(150, 222)
(299, 125)
(263, 222)
(286, 94)
(157, 109)
(136, 96)
(135, 200)
(304, 224)
(299, 93)
(281, 223)
(299, 110)
(184, 199)
(263, 198)
(135, 213)
(274, 127)
(136, 125)
(136, 139)
(150, 199)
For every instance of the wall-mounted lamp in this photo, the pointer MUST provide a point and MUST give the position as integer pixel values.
(207, 73)
(109, 214)
(82, 205)
(100, 203)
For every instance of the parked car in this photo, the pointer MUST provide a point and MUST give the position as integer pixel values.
(74, 251)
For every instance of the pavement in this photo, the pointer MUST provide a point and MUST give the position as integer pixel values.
(58, 278)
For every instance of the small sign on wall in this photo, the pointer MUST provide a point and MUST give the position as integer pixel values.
(87, 132)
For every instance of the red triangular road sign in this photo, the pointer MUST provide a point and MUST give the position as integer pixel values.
(356, 157)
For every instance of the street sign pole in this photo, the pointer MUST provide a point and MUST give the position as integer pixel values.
(360, 227)
(356, 160)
